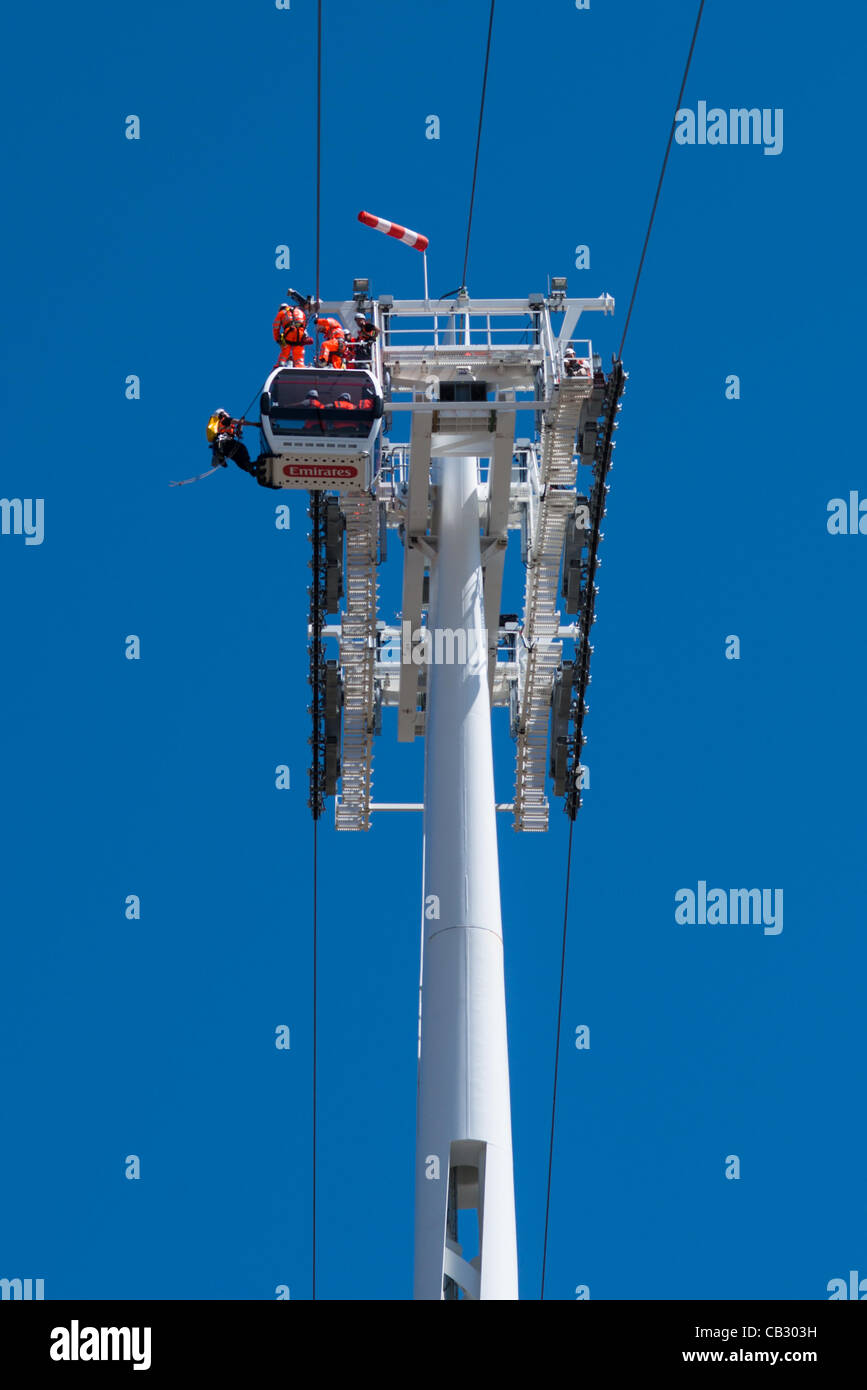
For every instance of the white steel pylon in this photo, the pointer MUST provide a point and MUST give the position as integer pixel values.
(472, 370)
(464, 1141)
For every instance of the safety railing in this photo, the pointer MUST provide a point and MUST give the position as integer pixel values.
(371, 363)
(446, 329)
(450, 332)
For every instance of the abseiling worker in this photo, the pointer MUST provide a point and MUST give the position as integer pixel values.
(224, 437)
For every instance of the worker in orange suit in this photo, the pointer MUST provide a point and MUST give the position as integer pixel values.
(290, 331)
(333, 351)
(344, 402)
(312, 402)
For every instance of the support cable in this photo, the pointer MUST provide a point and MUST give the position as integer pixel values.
(315, 856)
(618, 364)
(557, 1057)
(317, 635)
(661, 177)
(318, 138)
(317, 799)
(478, 146)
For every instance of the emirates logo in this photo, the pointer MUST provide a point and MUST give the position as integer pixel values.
(319, 470)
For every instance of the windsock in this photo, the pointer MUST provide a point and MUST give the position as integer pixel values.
(394, 229)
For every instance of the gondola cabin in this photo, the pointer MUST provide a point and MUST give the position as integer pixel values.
(320, 428)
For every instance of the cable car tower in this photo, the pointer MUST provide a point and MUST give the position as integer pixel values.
(465, 372)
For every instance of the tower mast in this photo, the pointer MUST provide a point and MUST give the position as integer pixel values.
(464, 1139)
(471, 370)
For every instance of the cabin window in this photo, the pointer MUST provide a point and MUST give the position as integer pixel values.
(309, 403)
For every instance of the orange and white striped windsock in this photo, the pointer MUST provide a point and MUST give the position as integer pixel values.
(394, 229)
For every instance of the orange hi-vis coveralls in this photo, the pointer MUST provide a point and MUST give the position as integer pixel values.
(290, 331)
(312, 403)
(344, 405)
(332, 352)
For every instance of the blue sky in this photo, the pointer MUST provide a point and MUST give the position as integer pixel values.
(156, 777)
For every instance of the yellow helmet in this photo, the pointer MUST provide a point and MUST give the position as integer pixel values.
(215, 424)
